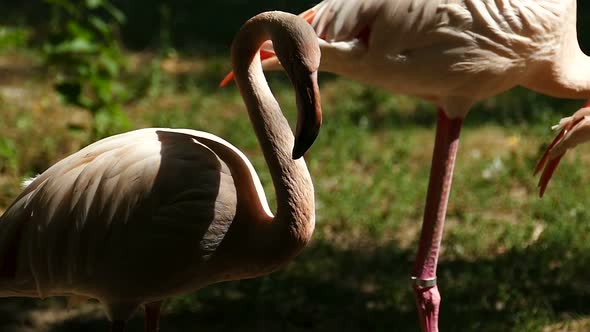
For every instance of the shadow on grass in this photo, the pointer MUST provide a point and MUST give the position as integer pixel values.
(333, 290)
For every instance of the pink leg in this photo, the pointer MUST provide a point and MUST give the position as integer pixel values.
(118, 326)
(441, 176)
(152, 316)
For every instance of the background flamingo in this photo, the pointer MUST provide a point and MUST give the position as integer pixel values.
(142, 216)
(453, 54)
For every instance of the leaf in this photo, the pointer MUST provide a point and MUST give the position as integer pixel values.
(77, 45)
(79, 31)
(93, 4)
(66, 5)
(109, 64)
(115, 12)
(99, 25)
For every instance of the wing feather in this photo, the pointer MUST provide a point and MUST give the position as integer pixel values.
(158, 191)
(337, 20)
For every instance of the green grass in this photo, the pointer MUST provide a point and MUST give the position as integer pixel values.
(510, 262)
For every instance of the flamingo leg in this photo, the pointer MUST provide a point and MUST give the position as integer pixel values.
(441, 175)
(118, 326)
(152, 316)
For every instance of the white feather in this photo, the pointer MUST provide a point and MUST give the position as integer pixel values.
(27, 181)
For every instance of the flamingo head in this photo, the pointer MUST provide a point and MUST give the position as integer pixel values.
(297, 49)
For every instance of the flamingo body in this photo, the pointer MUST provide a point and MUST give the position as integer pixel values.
(142, 216)
(109, 213)
(451, 52)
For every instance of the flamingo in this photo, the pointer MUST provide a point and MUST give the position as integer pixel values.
(138, 217)
(452, 53)
(574, 130)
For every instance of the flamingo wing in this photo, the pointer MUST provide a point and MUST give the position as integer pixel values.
(143, 202)
(337, 20)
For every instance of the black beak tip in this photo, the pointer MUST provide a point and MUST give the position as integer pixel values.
(298, 152)
(303, 143)
(309, 115)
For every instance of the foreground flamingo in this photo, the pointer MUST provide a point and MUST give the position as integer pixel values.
(575, 130)
(452, 53)
(142, 216)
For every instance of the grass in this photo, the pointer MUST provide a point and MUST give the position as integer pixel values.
(510, 261)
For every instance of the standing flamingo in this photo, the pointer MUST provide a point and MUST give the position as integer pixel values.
(139, 217)
(452, 53)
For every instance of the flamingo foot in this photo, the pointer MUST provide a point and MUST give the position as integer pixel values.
(118, 326)
(428, 302)
(152, 316)
(575, 130)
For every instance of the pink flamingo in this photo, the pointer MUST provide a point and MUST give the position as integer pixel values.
(138, 217)
(453, 54)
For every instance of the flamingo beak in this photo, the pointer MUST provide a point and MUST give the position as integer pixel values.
(309, 112)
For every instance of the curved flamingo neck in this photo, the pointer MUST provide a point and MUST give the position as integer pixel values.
(292, 182)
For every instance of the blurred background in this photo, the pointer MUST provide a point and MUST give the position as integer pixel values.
(72, 72)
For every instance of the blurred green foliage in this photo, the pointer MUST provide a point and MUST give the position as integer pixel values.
(83, 51)
(13, 37)
(8, 156)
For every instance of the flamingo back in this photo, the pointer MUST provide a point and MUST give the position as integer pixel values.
(140, 214)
